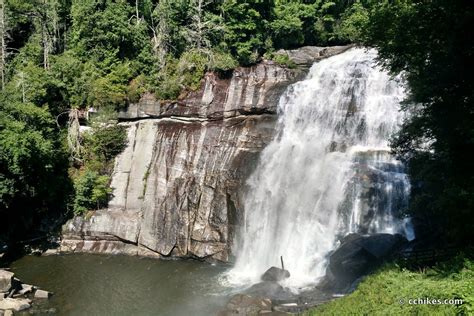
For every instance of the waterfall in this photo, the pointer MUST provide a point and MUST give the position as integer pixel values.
(328, 171)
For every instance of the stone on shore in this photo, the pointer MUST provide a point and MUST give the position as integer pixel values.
(51, 252)
(6, 278)
(26, 288)
(16, 304)
(8, 312)
(42, 294)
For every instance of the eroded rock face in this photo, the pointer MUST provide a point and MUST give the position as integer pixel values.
(177, 187)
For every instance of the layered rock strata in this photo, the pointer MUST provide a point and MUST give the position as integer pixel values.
(178, 185)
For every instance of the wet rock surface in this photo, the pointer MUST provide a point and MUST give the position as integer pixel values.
(178, 186)
(269, 289)
(241, 304)
(357, 256)
(275, 274)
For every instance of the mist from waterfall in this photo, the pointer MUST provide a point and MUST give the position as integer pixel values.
(328, 171)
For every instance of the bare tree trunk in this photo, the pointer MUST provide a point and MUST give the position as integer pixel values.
(199, 24)
(74, 135)
(21, 84)
(136, 12)
(3, 48)
(46, 48)
(160, 36)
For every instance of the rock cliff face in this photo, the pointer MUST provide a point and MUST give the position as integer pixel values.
(177, 187)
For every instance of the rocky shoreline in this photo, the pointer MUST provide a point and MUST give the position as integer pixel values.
(16, 296)
(357, 256)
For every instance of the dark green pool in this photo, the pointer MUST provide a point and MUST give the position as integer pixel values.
(122, 285)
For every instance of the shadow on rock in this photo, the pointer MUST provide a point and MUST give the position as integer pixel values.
(357, 256)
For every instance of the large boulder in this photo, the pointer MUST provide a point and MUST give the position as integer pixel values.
(275, 274)
(6, 278)
(358, 255)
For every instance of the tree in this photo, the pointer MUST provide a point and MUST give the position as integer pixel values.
(33, 178)
(245, 28)
(429, 42)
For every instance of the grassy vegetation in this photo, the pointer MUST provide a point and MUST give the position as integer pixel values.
(382, 292)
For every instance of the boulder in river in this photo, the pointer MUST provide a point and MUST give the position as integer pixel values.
(275, 274)
(358, 255)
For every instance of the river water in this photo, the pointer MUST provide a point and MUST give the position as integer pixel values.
(120, 285)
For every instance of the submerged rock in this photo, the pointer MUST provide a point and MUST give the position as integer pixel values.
(275, 274)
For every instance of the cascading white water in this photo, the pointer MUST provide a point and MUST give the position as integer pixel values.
(328, 171)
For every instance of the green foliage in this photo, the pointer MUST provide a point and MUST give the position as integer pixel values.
(136, 88)
(287, 26)
(91, 183)
(168, 85)
(91, 191)
(101, 30)
(33, 177)
(429, 42)
(282, 59)
(191, 68)
(106, 142)
(380, 293)
(245, 24)
(110, 90)
(221, 61)
(353, 22)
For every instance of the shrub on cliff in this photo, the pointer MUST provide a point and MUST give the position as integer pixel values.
(91, 191)
(106, 142)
